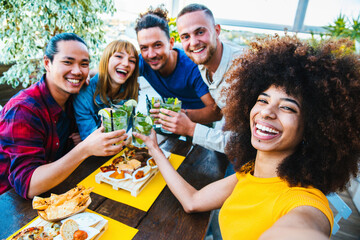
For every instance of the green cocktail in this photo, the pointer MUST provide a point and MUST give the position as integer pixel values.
(172, 104)
(115, 120)
(142, 124)
(128, 107)
(154, 101)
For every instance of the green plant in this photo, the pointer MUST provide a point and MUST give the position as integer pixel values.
(355, 29)
(173, 30)
(343, 27)
(26, 26)
(339, 28)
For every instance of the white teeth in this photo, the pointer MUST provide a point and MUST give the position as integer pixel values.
(73, 80)
(261, 133)
(199, 50)
(121, 71)
(266, 129)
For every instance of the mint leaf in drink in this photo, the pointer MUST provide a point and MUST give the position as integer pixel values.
(170, 100)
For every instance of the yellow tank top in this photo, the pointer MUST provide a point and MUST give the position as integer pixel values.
(257, 203)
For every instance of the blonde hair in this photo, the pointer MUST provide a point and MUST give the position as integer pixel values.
(103, 87)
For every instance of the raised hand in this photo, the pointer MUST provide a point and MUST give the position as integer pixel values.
(178, 123)
(100, 143)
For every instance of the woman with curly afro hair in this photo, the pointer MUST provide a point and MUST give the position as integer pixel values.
(294, 112)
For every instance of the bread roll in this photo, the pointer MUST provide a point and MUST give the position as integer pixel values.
(68, 228)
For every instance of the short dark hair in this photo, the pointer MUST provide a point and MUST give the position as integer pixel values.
(194, 7)
(154, 18)
(51, 48)
(327, 80)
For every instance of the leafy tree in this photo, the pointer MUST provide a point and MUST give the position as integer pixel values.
(27, 25)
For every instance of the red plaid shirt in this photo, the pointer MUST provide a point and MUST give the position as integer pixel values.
(28, 135)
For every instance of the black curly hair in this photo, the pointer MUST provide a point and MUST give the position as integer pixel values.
(327, 80)
(154, 18)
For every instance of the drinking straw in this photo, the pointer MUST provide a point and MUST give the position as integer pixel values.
(112, 120)
(148, 101)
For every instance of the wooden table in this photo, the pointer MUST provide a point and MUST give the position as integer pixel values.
(165, 219)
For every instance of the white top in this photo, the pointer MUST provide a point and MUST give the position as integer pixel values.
(214, 138)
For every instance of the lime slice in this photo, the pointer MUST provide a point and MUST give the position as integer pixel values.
(149, 121)
(152, 101)
(140, 128)
(105, 112)
(176, 101)
(131, 103)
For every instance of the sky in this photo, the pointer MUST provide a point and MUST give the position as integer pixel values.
(319, 12)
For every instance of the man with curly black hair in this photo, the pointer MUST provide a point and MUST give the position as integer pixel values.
(295, 114)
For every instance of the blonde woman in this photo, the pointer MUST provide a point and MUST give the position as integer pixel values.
(115, 83)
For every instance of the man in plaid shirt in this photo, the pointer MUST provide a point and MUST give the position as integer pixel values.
(37, 127)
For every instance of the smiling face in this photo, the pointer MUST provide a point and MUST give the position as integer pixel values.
(121, 67)
(198, 35)
(276, 122)
(155, 47)
(68, 71)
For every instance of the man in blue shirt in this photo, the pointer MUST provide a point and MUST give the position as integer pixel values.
(169, 71)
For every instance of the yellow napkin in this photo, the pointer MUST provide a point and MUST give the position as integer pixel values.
(144, 199)
(116, 230)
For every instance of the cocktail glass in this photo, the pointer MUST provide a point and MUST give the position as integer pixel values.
(154, 101)
(118, 120)
(128, 110)
(142, 125)
(173, 105)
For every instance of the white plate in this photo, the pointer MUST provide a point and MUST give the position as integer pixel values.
(140, 179)
(152, 167)
(107, 175)
(85, 219)
(91, 232)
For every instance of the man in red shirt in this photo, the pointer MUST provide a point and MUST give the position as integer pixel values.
(38, 129)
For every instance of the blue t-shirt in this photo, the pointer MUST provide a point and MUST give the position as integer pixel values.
(185, 82)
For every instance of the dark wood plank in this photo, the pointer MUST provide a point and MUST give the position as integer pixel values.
(121, 212)
(15, 213)
(176, 146)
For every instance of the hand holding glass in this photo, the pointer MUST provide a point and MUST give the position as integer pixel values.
(175, 106)
(142, 125)
(118, 120)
